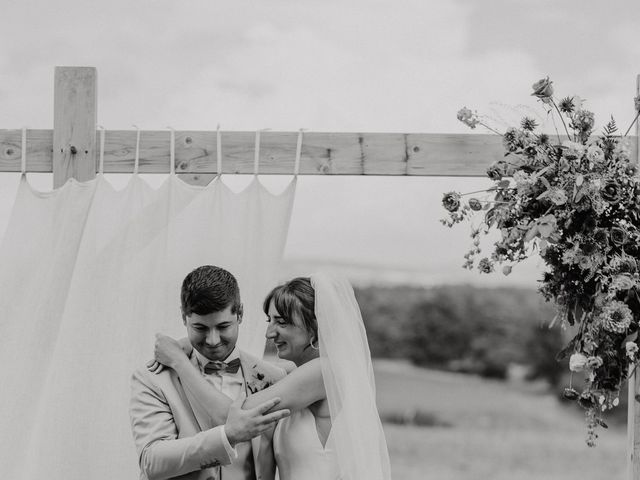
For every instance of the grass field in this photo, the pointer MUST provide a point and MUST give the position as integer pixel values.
(496, 430)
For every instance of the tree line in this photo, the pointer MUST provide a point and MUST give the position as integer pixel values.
(464, 328)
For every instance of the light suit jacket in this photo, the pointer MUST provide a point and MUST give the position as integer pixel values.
(175, 440)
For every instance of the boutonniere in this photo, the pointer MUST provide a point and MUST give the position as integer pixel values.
(258, 382)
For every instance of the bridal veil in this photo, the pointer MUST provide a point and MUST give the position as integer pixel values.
(357, 433)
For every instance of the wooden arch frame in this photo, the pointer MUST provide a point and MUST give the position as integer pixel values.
(71, 149)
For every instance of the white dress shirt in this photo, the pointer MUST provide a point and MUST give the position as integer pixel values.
(232, 385)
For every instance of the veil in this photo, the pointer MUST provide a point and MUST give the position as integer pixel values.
(359, 441)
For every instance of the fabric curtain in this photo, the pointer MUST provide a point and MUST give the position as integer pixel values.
(88, 274)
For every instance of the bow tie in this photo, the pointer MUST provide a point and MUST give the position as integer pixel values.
(222, 367)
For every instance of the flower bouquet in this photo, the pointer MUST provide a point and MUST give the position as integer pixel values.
(574, 200)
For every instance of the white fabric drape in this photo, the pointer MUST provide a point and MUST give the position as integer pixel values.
(87, 275)
(356, 430)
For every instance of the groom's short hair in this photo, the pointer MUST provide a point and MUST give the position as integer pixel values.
(209, 289)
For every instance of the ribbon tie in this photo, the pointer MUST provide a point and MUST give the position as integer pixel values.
(221, 367)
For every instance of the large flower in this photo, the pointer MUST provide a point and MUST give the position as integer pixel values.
(619, 236)
(595, 154)
(469, 118)
(572, 150)
(583, 121)
(623, 264)
(485, 265)
(615, 317)
(513, 139)
(543, 89)
(622, 282)
(496, 171)
(611, 191)
(577, 362)
(451, 201)
(557, 196)
(631, 169)
(475, 204)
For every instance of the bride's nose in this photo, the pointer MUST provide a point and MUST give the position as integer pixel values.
(271, 331)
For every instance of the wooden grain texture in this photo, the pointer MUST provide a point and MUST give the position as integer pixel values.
(418, 154)
(633, 412)
(74, 124)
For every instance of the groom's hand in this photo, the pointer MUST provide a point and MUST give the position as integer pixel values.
(243, 425)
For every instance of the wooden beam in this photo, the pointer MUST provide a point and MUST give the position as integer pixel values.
(418, 154)
(73, 150)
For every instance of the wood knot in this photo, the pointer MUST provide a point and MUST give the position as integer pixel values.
(183, 165)
(73, 149)
(416, 149)
(188, 140)
(9, 152)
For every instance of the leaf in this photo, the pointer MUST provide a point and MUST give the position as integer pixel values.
(546, 230)
(579, 179)
(504, 184)
(610, 128)
(544, 194)
(562, 354)
(545, 182)
(531, 233)
(630, 338)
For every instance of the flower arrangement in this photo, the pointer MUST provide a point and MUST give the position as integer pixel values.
(576, 203)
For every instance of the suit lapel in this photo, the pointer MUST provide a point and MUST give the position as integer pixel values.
(202, 418)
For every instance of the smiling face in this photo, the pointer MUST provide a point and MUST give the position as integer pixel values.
(215, 334)
(291, 338)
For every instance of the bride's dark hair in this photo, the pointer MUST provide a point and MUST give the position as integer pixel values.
(295, 299)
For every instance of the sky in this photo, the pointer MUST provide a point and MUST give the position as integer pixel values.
(343, 66)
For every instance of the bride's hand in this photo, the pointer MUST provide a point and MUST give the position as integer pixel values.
(169, 352)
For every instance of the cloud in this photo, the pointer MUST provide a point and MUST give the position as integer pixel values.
(329, 66)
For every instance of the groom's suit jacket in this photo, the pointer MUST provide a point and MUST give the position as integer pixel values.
(175, 440)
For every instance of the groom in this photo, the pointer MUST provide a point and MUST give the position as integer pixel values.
(172, 437)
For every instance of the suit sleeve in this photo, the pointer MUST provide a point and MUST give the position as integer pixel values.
(161, 453)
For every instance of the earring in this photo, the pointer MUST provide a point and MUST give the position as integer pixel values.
(315, 347)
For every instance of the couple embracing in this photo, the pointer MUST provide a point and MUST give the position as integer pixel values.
(203, 409)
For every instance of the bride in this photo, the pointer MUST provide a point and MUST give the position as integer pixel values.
(334, 431)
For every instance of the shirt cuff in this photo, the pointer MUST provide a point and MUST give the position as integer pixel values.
(232, 452)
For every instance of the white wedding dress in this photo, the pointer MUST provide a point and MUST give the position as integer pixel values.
(298, 451)
(356, 448)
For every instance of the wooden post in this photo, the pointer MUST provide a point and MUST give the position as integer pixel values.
(633, 413)
(74, 124)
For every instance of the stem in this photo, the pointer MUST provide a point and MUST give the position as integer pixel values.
(561, 117)
(477, 191)
(555, 127)
(489, 128)
(632, 123)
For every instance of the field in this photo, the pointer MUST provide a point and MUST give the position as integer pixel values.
(489, 430)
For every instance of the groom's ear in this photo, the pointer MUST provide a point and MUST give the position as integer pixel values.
(240, 312)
